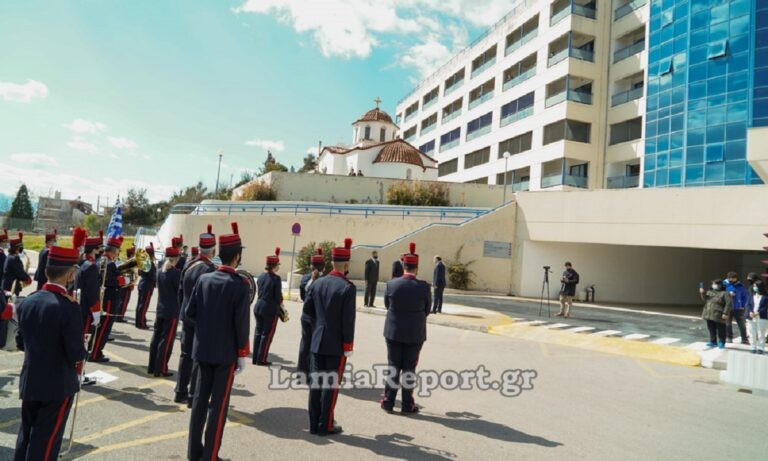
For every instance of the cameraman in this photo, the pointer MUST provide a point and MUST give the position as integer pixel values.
(569, 281)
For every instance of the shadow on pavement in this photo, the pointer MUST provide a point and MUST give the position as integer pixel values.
(470, 422)
(285, 423)
(394, 445)
(6, 452)
(141, 399)
(8, 415)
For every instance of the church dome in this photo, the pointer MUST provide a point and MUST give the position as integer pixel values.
(399, 152)
(375, 115)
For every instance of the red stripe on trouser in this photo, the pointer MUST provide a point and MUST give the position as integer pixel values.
(59, 421)
(87, 326)
(269, 339)
(126, 299)
(342, 362)
(144, 307)
(100, 334)
(168, 343)
(220, 422)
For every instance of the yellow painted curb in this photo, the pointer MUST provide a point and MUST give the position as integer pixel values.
(637, 349)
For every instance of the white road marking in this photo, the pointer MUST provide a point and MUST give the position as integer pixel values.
(665, 341)
(607, 333)
(580, 329)
(556, 325)
(635, 336)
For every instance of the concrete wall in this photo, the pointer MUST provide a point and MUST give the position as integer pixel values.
(366, 189)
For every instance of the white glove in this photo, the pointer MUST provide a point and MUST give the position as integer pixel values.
(96, 318)
(348, 354)
(240, 365)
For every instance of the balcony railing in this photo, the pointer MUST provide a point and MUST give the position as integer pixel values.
(429, 128)
(521, 186)
(558, 16)
(429, 103)
(574, 8)
(410, 116)
(557, 57)
(555, 99)
(410, 137)
(519, 79)
(628, 51)
(571, 95)
(485, 65)
(452, 88)
(584, 55)
(451, 116)
(622, 11)
(449, 145)
(626, 96)
(479, 132)
(519, 115)
(480, 100)
(623, 182)
(523, 40)
(563, 180)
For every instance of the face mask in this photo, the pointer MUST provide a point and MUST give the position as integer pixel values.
(715, 286)
(754, 288)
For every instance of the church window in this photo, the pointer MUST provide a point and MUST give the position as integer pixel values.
(367, 133)
(383, 135)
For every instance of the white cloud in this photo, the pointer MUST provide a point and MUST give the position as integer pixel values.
(84, 126)
(23, 92)
(427, 56)
(276, 146)
(33, 159)
(122, 143)
(79, 143)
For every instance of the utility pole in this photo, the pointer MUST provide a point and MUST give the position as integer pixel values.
(218, 173)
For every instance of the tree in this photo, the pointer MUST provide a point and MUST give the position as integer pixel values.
(21, 208)
(136, 208)
(302, 258)
(93, 223)
(418, 194)
(270, 164)
(310, 164)
(460, 276)
(245, 178)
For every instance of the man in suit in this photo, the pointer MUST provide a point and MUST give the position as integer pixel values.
(51, 336)
(405, 330)
(42, 259)
(330, 306)
(438, 281)
(218, 307)
(397, 268)
(371, 279)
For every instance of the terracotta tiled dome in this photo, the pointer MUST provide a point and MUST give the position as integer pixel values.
(375, 115)
(399, 152)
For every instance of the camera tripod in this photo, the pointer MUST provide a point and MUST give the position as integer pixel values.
(545, 289)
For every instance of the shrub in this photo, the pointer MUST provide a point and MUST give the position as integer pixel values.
(302, 258)
(258, 191)
(460, 276)
(416, 193)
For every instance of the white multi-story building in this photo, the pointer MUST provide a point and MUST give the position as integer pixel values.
(559, 85)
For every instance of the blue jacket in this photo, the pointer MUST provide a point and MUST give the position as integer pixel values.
(762, 308)
(89, 284)
(270, 294)
(42, 262)
(51, 336)
(168, 293)
(408, 302)
(14, 271)
(303, 285)
(330, 307)
(438, 275)
(148, 279)
(218, 308)
(111, 301)
(739, 294)
(189, 277)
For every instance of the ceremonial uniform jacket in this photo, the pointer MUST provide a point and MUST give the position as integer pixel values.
(330, 305)
(189, 277)
(303, 285)
(111, 285)
(168, 293)
(182, 262)
(408, 303)
(218, 307)
(42, 262)
(89, 284)
(270, 294)
(147, 278)
(14, 271)
(51, 335)
(2, 265)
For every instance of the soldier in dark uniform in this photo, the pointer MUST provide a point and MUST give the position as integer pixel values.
(218, 307)
(3, 242)
(408, 304)
(318, 268)
(371, 279)
(51, 336)
(146, 288)
(88, 283)
(397, 268)
(270, 287)
(330, 305)
(111, 299)
(178, 243)
(14, 276)
(42, 259)
(167, 316)
(187, 377)
(127, 289)
(194, 253)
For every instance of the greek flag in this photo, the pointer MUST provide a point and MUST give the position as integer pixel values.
(115, 228)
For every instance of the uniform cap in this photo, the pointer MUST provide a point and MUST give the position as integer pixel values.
(207, 239)
(274, 259)
(64, 257)
(195, 251)
(18, 240)
(230, 241)
(115, 242)
(170, 252)
(51, 236)
(131, 252)
(344, 253)
(411, 258)
(318, 257)
(150, 248)
(94, 242)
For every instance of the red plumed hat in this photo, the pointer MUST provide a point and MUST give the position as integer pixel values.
(318, 257)
(230, 241)
(411, 258)
(274, 259)
(78, 237)
(344, 253)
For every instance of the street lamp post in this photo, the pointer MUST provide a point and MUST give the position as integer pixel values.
(221, 154)
(506, 161)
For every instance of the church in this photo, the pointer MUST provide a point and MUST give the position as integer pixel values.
(377, 151)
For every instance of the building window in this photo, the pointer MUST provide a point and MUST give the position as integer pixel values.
(408, 173)
(367, 133)
(450, 139)
(429, 122)
(453, 81)
(478, 181)
(383, 135)
(518, 105)
(477, 157)
(626, 131)
(430, 97)
(571, 130)
(480, 123)
(409, 133)
(452, 110)
(516, 145)
(428, 147)
(411, 110)
(717, 49)
(446, 168)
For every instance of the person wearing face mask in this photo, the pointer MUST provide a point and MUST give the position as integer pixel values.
(371, 279)
(717, 308)
(739, 297)
(757, 316)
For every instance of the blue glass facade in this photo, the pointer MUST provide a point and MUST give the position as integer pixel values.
(704, 57)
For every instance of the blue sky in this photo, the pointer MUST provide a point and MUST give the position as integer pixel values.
(97, 96)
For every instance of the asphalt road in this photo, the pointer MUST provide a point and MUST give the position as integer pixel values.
(583, 405)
